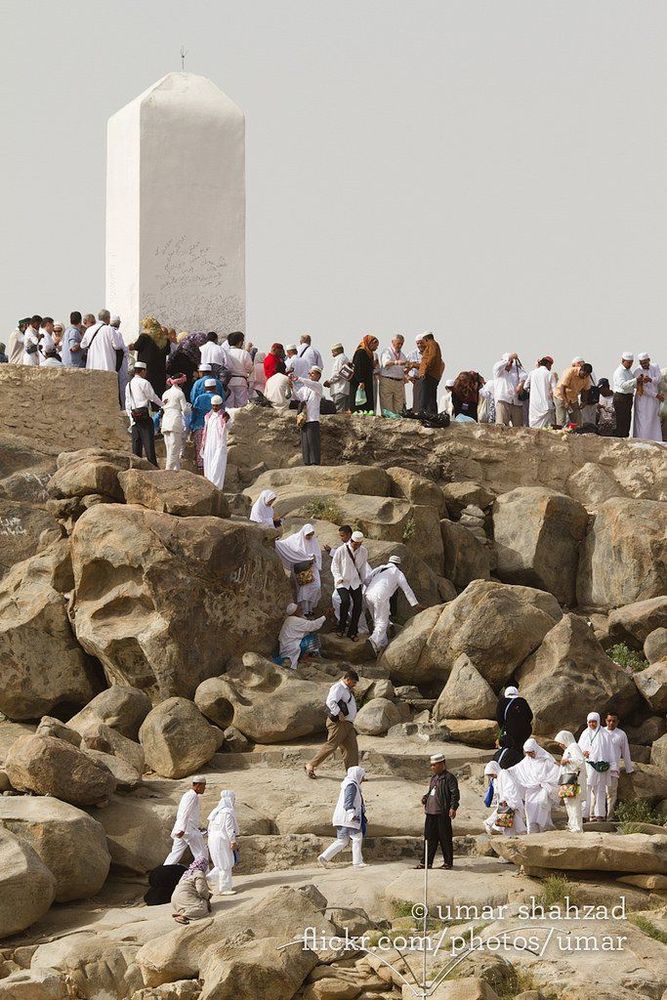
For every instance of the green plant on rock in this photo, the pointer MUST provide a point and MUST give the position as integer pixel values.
(409, 529)
(645, 925)
(554, 890)
(322, 509)
(631, 814)
(626, 657)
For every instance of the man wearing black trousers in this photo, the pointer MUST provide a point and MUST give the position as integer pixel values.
(440, 805)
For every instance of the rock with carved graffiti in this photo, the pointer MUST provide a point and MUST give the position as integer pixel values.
(163, 602)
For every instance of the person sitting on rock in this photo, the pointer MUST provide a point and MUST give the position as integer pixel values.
(572, 780)
(440, 805)
(297, 635)
(538, 774)
(185, 831)
(341, 712)
(515, 720)
(191, 899)
(223, 835)
(349, 818)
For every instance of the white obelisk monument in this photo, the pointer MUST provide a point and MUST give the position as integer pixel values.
(175, 246)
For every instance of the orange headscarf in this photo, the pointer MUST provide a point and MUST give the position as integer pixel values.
(365, 345)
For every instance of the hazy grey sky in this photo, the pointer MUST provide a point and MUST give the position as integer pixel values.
(493, 171)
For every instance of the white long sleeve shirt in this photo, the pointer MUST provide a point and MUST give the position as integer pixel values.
(175, 408)
(309, 355)
(385, 581)
(350, 568)
(211, 353)
(619, 741)
(187, 817)
(337, 384)
(624, 381)
(102, 342)
(507, 381)
(310, 393)
(139, 392)
(341, 692)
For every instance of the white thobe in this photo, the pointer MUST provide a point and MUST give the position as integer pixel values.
(381, 587)
(102, 342)
(573, 762)
(646, 423)
(222, 833)
(214, 448)
(599, 747)
(278, 391)
(509, 790)
(187, 823)
(505, 382)
(539, 778)
(541, 411)
(619, 742)
(293, 630)
(15, 347)
(31, 338)
(175, 409)
(211, 353)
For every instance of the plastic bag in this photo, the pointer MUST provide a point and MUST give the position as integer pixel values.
(360, 398)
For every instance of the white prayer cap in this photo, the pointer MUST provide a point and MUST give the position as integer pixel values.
(437, 758)
(336, 347)
(395, 559)
(577, 361)
(291, 609)
(291, 347)
(357, 536)
(316, 368)
(209, 381)
(628, 356)
(114, 321)
(643, 356)
(505, 357)
(216, 401)
(204, 368)
(426, 333)
(449, 384)
(140, 365)
(491, 768)
(593, 716)
(419, 338)
(511, 692)
(199, 779)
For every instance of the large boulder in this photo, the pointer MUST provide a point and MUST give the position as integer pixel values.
(496, 625)
(634, 623)
(177, 739)
(623, 556)
(652, 684)
(95, 966)
(27, 887)
(417, 489)
(22, 527)
(255, 968)
(376, 717)
(122, 708)
(264, 702)
(466, 558)
(42, 664)
(460, 495)
(589, 851)
(137, 831)
(163, 602)
(570, 670)
(92, 471)
(183, 493)
(538, 534)
(659, 753)
(466, 695)
(298, 485)
(48, 766)
(42, 984)
(71, 844)
(96, 736)
(646, 782)
(655, 645)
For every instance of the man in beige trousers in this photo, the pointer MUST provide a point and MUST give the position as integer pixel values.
(341, 711)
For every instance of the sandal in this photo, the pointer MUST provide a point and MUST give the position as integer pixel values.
(180, 919)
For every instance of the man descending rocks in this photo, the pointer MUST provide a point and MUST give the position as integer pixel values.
(440, 804)
(350, 571)
(185, 831)
(341, 712)
(381, 586)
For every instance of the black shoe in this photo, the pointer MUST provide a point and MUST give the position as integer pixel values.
(447, 867)
(421, 866)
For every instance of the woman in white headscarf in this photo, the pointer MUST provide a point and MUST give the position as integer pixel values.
(294, 630)
(538, 774)
(349, 818)
(296, 551)
(262, 511)
(223, 836)
(572, 780)
(507, 794)
(601, 765)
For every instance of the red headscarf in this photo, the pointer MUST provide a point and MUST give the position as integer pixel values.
(365, 344)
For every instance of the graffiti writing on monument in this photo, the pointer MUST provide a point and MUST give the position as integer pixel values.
(182, 263)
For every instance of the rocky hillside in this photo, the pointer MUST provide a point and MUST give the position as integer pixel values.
(139, 611)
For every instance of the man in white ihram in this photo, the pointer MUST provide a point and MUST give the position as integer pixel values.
(381, 586)
(186, 832)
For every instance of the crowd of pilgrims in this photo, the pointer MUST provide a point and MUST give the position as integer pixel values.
(525, 784)
(184, 376)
